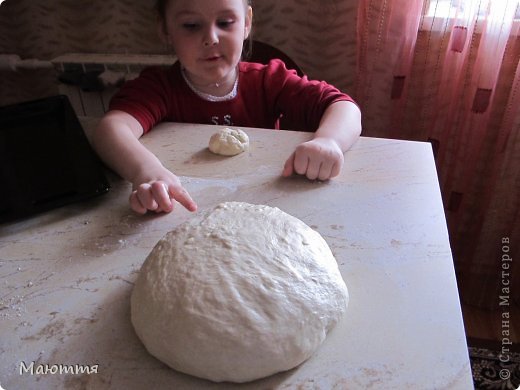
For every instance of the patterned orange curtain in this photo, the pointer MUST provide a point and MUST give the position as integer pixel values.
(447, 72)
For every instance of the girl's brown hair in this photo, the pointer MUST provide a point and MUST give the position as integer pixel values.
(160, 8)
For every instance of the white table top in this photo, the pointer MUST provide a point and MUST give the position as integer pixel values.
(66, 276)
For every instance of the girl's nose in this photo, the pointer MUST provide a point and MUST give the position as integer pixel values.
(211, 37)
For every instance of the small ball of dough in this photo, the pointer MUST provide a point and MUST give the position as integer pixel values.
(238, 294)
(229, 142)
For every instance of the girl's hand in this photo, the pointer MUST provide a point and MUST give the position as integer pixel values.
(155, 188)
(320, 158)
(158, 194)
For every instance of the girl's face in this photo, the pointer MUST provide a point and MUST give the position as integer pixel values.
(207, 36)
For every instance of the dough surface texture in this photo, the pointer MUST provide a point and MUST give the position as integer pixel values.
(238, 294)
(229, 142)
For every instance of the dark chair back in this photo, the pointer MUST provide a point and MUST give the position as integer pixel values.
(262, 53)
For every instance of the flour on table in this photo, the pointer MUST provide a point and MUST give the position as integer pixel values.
(238, 294)
(229, 142)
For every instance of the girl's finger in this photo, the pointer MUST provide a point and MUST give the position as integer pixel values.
(288, 168)
(145, 197)
(161, 196)
(313, 169)
(301, 162)
(336, 168)
(182, 196)
(135, 204)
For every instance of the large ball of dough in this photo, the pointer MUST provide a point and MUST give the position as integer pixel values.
(229, 142)
(238, 294)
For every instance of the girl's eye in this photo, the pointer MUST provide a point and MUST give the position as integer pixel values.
(227, 23)
(190, 26)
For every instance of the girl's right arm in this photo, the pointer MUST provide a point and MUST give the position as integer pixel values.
(116, 140)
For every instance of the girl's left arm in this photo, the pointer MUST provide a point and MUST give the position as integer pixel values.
(322, 157)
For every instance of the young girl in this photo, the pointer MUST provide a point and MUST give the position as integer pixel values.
(210, 84)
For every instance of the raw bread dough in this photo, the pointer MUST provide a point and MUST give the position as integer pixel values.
(238, 294)
(229, 142)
